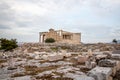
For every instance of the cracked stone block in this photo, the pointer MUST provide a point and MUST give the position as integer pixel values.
(55, 57)
(107, 63)
(100, 73)
(115, 65)
(78, 77)
(115, 56)
(116, 52)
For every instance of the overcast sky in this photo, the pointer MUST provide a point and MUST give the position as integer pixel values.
(97, 20)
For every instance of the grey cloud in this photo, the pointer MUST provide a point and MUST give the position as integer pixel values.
(117, 32)
(34, 22)
(58, 16)
(6, 17)
(6, 13)
(4, 27)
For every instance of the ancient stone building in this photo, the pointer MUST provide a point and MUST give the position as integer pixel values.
(60, 36)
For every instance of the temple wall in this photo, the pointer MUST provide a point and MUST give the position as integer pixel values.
(60, 36)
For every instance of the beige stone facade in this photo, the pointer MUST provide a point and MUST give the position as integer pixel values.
(60, 36)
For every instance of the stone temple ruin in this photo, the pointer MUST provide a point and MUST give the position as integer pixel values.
(60, 36)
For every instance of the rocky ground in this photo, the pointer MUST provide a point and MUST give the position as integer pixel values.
(117, 76)
(33, 61)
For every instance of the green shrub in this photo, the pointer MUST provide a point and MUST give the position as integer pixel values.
(8, 44)
(49, 40)
(114, 41)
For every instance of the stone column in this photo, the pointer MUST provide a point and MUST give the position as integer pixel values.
(60, 33)
(41, 37)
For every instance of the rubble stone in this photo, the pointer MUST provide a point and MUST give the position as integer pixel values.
(50, 57)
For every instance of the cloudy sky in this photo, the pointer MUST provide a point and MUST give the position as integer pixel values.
(97, 20)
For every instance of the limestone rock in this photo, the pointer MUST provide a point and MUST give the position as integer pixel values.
(109, 54)
(101, 57)
(78, 77)
(90, 53)
(55, 57)
(66, 54)
(45, 57)
(107, 63)
(118, 65)
(100, 73)
(115, 56)
(82, 59)
(37, 57)
(90, 65)
(116, 52)
(25, 51)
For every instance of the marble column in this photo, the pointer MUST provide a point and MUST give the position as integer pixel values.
(41, 37)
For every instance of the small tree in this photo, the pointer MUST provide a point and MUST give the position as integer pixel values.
(49, 40)
(8, 44)
(114, 41)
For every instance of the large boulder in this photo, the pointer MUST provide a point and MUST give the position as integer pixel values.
(109, 63)
(101, 73)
